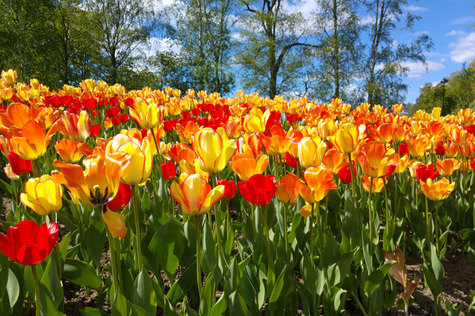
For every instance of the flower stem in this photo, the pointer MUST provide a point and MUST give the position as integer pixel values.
(352, 178)
(37, 290)
(113, 261)
(370, 211)
(198, 263)
(138, 246)
(428, 230)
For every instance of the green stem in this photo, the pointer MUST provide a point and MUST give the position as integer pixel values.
(436, 224)
(286, 241)
(37, 290)
(352, 179)
(158, 149)
(138, 246)
(36, 169)
(358, 302)
(198, 263)
(370, 212)
(217, 227)
(311, 233)
(266, 226)
(428, 230)
(57, 252)
(113, 262)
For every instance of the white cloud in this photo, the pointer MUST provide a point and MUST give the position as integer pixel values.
(463, 50)
(455, 33)
(414, 8)
(416, 69)
(443, 60)
(463, 20)
(367, 20)
(306, 7)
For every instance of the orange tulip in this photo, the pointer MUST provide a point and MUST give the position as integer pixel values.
(334, 160)
(419, 146)
(71, 151)
(397, 109)
(447, 166)
(438, 190)
(194, 194)
(319, 183)
(115, 223)
(17, 115)
(275, 143)
(97, 184)
(186, 133)
(245, 165)
(384, 133)
(378, 184)
(32, 141)
(213, 149)
(374, 160)
(288, 190)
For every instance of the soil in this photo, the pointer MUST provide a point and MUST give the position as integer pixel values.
(458, 280)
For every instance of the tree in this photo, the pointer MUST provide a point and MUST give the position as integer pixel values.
(340, 54)
(123, 25)
(203, 31)
(385, 59)
(275, 47)
(457, 93)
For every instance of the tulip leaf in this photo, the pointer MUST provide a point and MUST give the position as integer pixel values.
(144, 292)
(13, 288)
(48, 307)
(81, 273)
(279, 284)
(434, 285)
(376, 277)
(51, 280)
(220, 307)
(89, 311)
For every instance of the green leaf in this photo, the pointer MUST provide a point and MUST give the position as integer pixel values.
(278, 286)
(94, 241)
(63, 246)
(436, 265)
(89, 311)
(434, 285)
(220, 307)
(13, 288)
(376, 277)
(48, 307)
(51, 280)
(144, 292)
(81, 273)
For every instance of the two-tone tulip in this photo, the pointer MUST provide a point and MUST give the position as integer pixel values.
(311, 151)
(213, 149)
(76, 127)
(438, 190)
(194, 194)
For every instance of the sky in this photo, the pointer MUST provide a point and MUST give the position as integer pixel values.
(449, 24)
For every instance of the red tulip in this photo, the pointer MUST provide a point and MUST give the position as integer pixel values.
(95, 129)
(472, 164)
(290, 160)
(258, 189)
(168, 169)
(424, 172)
(122, 198)
(229, 188)
(18, 164)
(344, 173)
(28, 243)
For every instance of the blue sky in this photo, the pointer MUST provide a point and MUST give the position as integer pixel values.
(449, 24)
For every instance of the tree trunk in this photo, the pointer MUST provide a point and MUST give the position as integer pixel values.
(336, 53)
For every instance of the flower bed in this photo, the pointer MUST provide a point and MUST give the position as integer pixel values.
(245, 205)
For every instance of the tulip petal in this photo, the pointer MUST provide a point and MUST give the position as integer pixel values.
(212, 198)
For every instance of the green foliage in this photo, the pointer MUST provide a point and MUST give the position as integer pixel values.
(457, 93)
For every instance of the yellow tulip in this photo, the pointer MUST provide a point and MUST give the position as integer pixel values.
(213, 149)
(115, 223)
(438, 190)
(311, 152)
(43, 195)
(346, 138)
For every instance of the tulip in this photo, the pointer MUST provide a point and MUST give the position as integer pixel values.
(75, 127)
(71, 151)
(213, 150)
(424, 172)
(32, 141)
(194, 194)
(311, 152)
(138, 157)
(18, 164)
(419, 146)
(43, 195)
(438, 190)
(17, 115)
(229, 188)
(290, 160)
(98, 183)
(121, 199)
(9, 173)
(168, 169)
(275, 143)
(334, 160)
(245, 165)
(255, 121)
(378, 184)
(147, 115)
(344, 173)
(27, 243)
(447, 166)
(375, 161)
(258, 189)
(115, 223)
(9, 77)
(346, 138)
(288, 190)
(319, 183)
